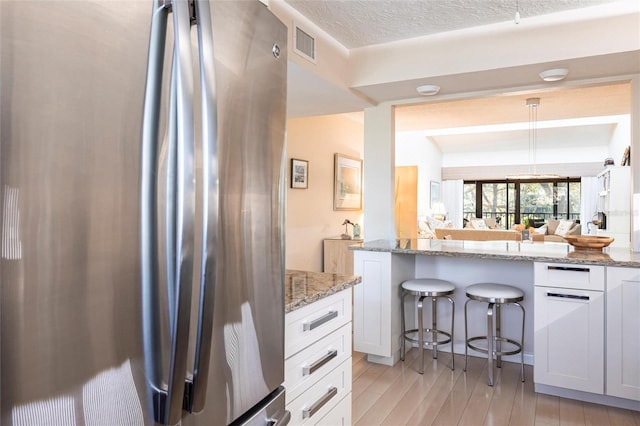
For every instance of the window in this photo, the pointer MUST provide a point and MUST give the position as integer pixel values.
(512, 202)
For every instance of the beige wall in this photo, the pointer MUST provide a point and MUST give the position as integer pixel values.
(310, 215)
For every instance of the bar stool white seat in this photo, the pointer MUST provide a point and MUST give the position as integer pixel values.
(495, 295)
(434, 289)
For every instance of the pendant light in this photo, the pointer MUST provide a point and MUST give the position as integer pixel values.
(517, 18)
(532, 105)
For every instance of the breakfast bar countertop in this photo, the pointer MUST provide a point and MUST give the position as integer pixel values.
(304, 287)
(508, 250)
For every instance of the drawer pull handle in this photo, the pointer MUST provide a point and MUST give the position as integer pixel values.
(308, 412)
(567, 268)
(319, 321)
(319, 363)
(568, 296)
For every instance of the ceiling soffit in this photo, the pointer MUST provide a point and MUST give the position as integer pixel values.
(557, 104)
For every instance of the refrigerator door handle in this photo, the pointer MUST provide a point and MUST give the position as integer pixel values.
(282, 420)
(196, 388)
(149, 204)
(168, 397)
(185, 210)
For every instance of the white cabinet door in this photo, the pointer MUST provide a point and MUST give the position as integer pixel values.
(372, 304)
(623, 333)
(376, 303)
(569, 338)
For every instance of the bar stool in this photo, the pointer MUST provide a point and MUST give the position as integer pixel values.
(434, 289)
(495, 295)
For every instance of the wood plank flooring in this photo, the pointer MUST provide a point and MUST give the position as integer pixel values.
(398, 395)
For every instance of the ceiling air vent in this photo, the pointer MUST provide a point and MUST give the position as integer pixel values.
(304, 44)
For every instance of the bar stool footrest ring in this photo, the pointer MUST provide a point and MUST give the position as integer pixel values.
(427, 334)
(518, 345)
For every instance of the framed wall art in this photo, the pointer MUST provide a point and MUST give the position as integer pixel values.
(435, 193)
(299, 174)
(347, 186)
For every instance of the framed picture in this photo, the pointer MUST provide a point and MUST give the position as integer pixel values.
(347, 185)
(435, 193)
(299, 173)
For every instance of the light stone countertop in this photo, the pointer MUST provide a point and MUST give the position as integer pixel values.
(304, 287)
(507, 250)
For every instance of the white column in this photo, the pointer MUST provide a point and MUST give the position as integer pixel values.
(379, 172)
(635, 162)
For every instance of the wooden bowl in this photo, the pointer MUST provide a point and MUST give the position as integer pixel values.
(588, 242)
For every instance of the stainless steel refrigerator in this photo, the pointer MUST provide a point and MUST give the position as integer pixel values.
(141, 167)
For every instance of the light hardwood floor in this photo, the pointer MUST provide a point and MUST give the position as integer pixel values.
(398, 395)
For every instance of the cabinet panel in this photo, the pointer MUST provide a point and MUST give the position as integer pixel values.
(371, 314)
(376, 307)
(569, 338)
(337, 258)
(623, 333)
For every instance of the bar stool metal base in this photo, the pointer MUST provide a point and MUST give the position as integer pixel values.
(495, 341)
(427, 337)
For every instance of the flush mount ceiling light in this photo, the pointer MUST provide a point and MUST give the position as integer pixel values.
(428, 89)
(556, 74)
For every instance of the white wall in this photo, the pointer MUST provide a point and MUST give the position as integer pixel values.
(310, 215)
(414, 149)
(620, 139)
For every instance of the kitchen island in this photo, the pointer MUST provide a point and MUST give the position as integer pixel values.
(584, 344)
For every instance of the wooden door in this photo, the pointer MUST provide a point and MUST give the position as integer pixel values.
(406, 202)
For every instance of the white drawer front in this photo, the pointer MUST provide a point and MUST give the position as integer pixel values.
(309, 365)
(340, 415)
(306, 325)
(582, 277)
(322, 397)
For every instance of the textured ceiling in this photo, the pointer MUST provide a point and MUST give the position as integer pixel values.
(357, 23)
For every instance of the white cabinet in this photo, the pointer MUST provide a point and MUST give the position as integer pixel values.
(623, 333)
(376, 308)
(569, 326)
(615, 202)
(317, 374)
